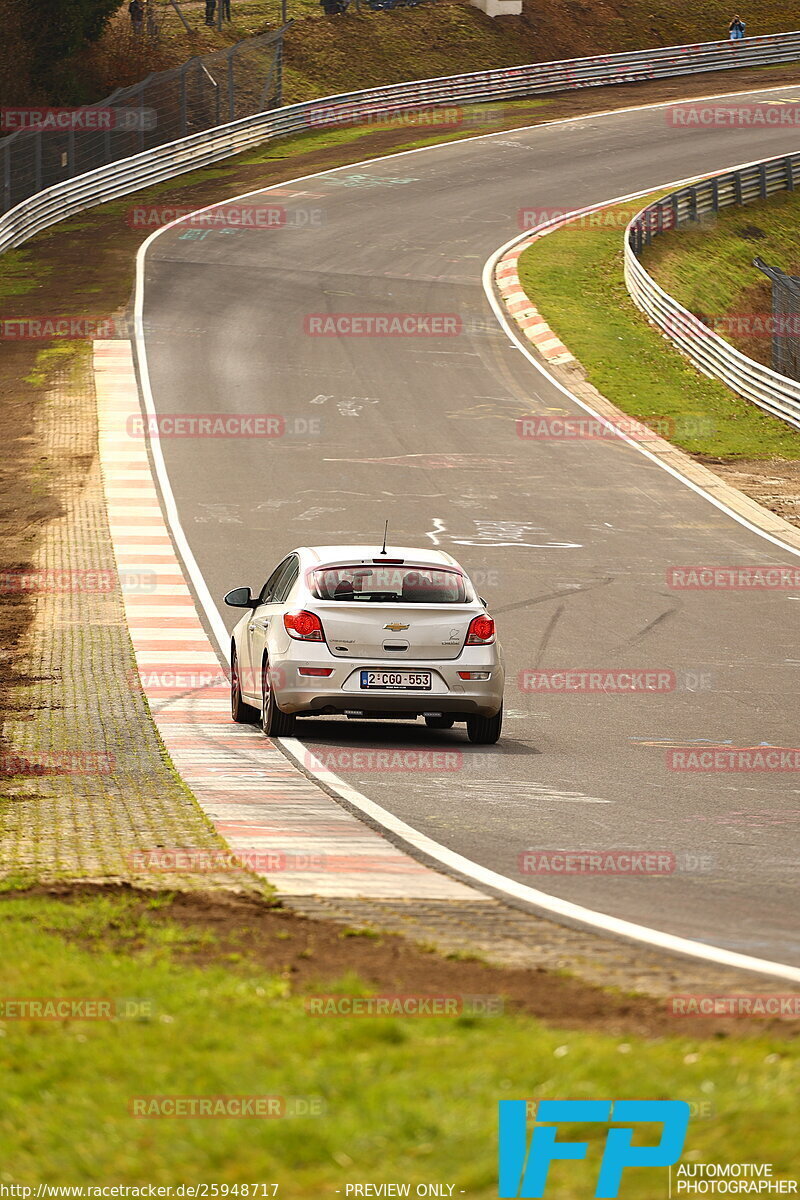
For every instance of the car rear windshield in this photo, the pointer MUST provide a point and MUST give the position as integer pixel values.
(389, 584)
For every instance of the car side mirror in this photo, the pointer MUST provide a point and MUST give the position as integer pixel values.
(240, 598)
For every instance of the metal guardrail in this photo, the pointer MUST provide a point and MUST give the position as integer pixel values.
(120, 178)
(708, 351)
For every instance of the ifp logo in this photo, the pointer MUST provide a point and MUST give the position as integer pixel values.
(524, 1169)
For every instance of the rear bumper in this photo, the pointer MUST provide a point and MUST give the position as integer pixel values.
(391, 703)
(340, 692)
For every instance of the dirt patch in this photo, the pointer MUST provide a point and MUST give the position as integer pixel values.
(774, 483)
(313, 954)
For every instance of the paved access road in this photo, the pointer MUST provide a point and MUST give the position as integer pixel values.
(570, 543)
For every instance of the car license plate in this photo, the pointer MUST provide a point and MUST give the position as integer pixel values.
(418, 681)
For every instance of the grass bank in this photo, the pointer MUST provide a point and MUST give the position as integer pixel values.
(326, 55)
(390, 1098)
(709, 268)
(575, 279)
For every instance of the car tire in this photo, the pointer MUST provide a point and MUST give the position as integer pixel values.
(274, 723)
(485, 731)
(241, 712)
(440, 722)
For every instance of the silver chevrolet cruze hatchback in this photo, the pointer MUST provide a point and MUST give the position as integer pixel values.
(370, 633)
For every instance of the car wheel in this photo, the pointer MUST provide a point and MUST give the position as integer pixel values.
(485, 731)
(440, 722)
(274, 723)
(241, 712)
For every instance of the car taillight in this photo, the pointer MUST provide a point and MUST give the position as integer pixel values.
(305, 626)
(481, 631)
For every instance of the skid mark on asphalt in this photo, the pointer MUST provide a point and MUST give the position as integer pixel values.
(549, 630)
(572, 589)
(650, 626)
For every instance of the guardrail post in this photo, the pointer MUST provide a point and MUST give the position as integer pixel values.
(692, 203)
(231, 95)
(279, 62)
(7, 177)
(715, 195)
(737, 186)
(762, 176)
(183, 100)
(788, 165)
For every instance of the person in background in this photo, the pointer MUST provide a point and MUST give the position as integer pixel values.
(226, 9)
(736, 29)
(211, 6)
(136, 11)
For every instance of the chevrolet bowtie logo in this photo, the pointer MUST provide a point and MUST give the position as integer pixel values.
(395, 627)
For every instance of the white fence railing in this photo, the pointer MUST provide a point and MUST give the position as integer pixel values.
(165, 162)
(706, 349)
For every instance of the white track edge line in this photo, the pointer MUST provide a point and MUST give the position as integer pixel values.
(171, 511)
(584, 915)
(473, 871)
(502, 316)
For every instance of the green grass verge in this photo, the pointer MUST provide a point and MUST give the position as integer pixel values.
(709, 268)
(575, 278)
(405, 1100)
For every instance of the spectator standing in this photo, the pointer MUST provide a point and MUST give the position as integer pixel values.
(211, 7)
(736, 29)
(136, 11)
(226, 9)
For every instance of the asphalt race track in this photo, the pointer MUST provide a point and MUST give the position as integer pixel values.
(569, 542)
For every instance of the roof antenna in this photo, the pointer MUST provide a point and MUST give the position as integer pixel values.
(385, 531)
